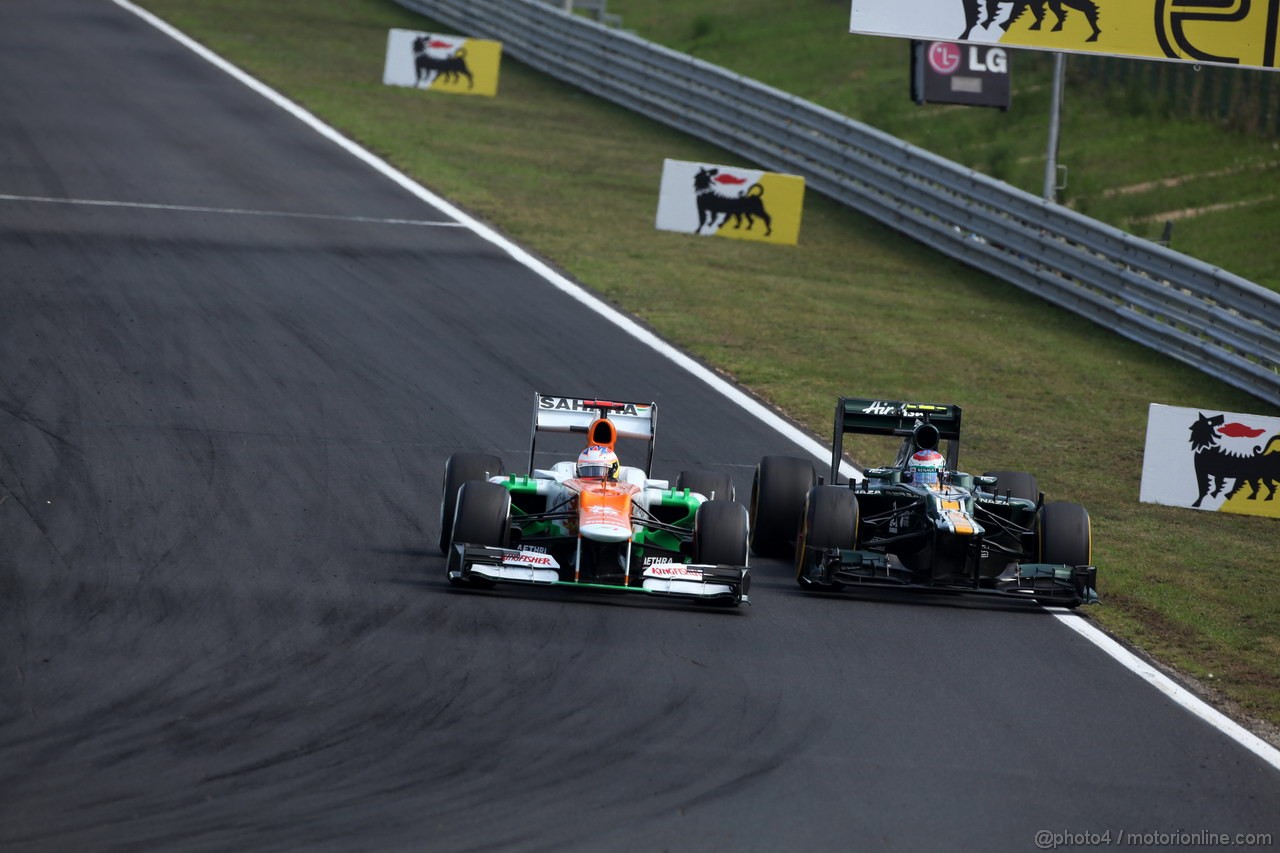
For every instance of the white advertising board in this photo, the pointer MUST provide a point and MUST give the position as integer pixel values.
(727, 201)
(444, 63)
(1212, 460)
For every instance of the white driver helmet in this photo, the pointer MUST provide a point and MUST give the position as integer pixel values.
(598, 462)
(927, 468)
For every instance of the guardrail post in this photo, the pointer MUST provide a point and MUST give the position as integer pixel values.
(1055, 123)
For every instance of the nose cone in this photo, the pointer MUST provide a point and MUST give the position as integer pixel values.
(605, 531)
(604, 514)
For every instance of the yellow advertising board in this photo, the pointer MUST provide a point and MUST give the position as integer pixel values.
(1211, 32)
(726, 201)
(442, 63)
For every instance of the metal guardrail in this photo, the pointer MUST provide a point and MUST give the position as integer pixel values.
(598, 10)
(1199, 314)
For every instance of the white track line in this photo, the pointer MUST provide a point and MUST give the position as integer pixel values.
(89, 202)
(1161, 682)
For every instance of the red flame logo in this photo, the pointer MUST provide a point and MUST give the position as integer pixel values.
(1238, 430)
(729, 179)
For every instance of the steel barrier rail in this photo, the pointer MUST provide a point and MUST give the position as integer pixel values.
(1199, 314)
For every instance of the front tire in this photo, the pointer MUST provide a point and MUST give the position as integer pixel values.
(777, 496)
(1065, 537)
(830, 520)
(460, 468)
(482, 517)
(720, 534)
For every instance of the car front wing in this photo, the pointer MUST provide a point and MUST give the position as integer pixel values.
(1046, 583)
(701, 582)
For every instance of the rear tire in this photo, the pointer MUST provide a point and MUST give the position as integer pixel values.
(710, 484)
(720, 534)
(830, 520)
(482, 517)
(777, 498)
(1065, 536)
(460, 468)
(1019, 484)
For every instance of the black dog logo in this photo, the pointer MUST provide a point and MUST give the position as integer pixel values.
(973, 11)
(710, 204)
(1087, 7)
(427, 67)
(1214, 465)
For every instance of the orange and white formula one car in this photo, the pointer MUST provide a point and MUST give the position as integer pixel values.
(591, 521)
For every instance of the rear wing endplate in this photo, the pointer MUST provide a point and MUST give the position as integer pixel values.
(864, 416)
(554, 413)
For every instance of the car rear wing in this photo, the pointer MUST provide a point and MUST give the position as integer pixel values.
(864, 416)
(554, 413)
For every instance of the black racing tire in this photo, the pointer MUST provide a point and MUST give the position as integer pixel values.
(720, 534)
(460, 468)
(710, 484)
(1065, 536)
(777, 497)
(829, 520)
(482, 517)
(1018, 483)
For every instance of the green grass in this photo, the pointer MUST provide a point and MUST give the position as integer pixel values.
(855, 309)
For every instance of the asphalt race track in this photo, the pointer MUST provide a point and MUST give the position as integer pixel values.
(224, 624)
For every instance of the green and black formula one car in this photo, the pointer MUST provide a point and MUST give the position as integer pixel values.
(920, 522)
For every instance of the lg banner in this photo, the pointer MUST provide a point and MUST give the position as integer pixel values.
(1212, 460)
(743, 204)
(970, 74)
(445, 63)
(1212, 32)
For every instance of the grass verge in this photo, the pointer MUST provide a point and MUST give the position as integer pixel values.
(855, 309)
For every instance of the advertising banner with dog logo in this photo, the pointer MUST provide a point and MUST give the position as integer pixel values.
(457, 64)
(724, 201)
(1205, 32)
(1212, 460)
